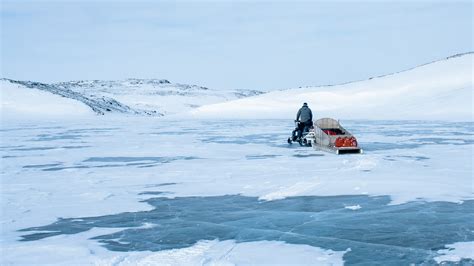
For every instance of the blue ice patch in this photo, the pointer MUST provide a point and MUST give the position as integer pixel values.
(377, 232)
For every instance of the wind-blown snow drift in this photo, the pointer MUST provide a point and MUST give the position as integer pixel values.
(441, 90)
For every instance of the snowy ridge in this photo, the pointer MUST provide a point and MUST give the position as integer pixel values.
(391, 74)
(441, 90)
(99, 104)
(158, 95)
(143, 97)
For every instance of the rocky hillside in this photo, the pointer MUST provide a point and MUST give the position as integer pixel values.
(149, 97)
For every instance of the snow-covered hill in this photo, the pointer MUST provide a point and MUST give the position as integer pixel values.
(16, 94)
(438, 90)
(19, 101)
(441, 90)
(158, 95)
(149, 97)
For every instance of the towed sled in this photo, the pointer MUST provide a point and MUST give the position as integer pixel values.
(327, 134)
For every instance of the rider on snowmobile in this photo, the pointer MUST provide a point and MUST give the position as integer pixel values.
(305, 118)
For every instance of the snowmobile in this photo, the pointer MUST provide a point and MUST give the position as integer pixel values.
(327, 134)
(299, 126)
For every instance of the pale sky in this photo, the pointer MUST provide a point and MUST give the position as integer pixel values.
(261, 45)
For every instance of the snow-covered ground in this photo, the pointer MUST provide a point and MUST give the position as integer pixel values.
(78, 188)
(411, 191)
